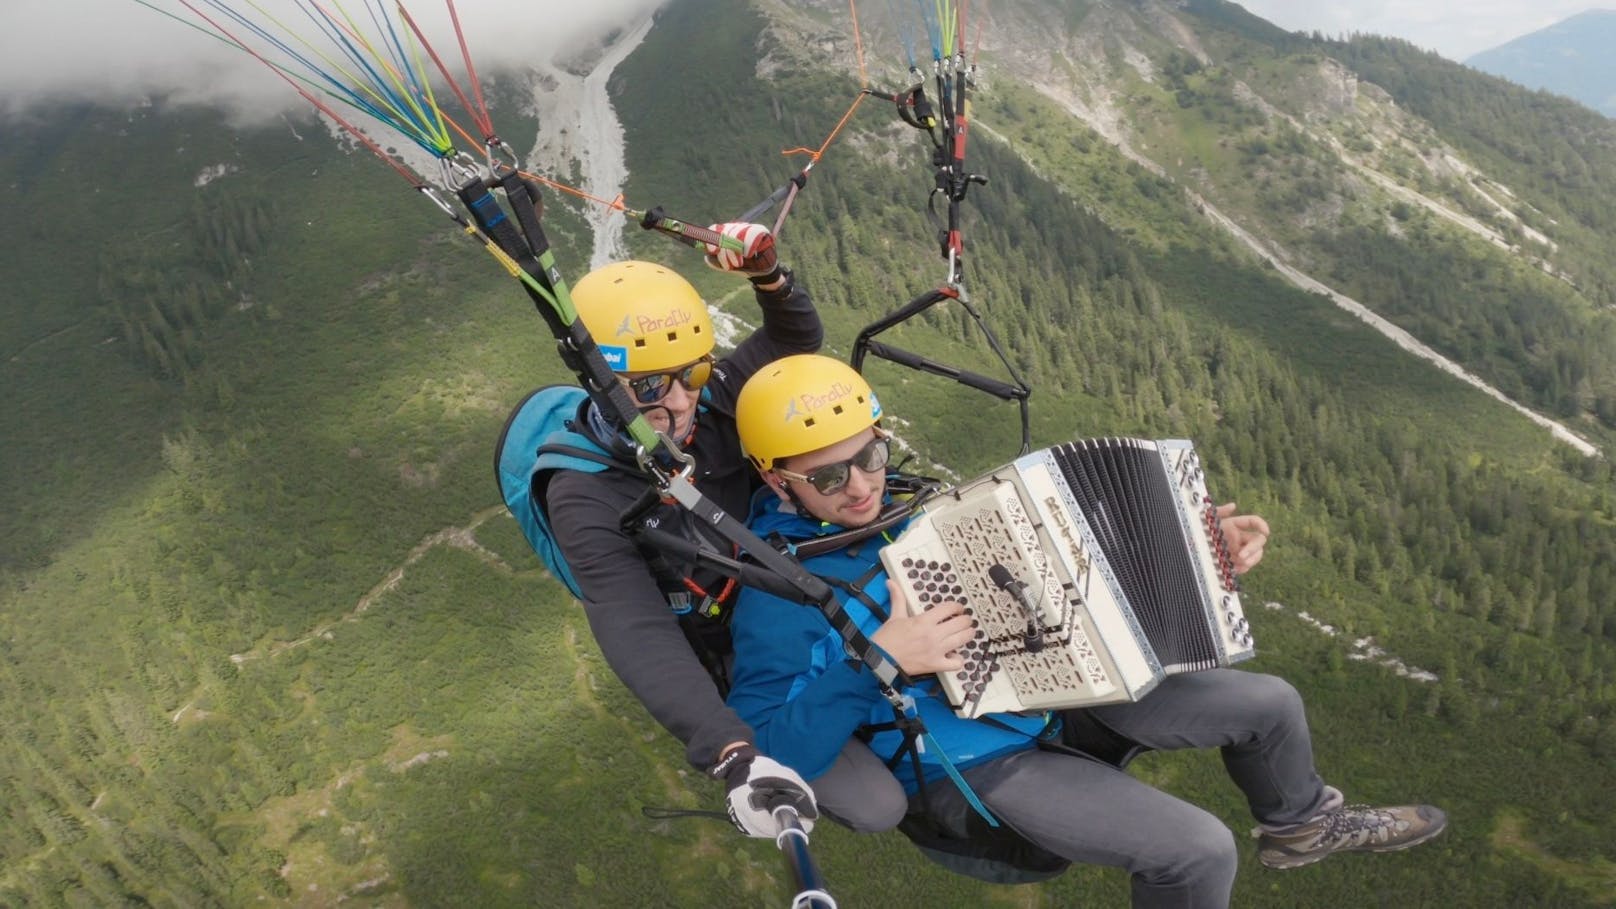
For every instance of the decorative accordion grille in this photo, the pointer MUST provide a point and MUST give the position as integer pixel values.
(1123, 575)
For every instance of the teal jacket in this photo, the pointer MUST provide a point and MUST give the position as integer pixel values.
(794, 684)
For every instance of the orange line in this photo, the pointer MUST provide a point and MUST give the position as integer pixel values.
(839, 124)
(475, 143)
(613, 205)
(403, 171)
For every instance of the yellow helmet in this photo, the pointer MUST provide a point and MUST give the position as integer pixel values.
(644, 316)
(801, 404)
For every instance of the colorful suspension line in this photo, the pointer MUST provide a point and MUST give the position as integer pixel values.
(501, 208)
(947, 126)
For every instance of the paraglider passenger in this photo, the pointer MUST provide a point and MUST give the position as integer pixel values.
(812, 426)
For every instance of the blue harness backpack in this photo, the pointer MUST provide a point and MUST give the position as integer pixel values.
(539, 439)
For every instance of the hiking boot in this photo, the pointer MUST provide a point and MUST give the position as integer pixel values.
(1348, 828)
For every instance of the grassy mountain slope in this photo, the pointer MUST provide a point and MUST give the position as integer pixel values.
(1394, 177)
(269, 636)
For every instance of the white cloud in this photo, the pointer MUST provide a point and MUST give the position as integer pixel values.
(121, 50)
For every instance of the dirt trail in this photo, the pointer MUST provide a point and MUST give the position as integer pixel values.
(459, 537)
(1398, 336)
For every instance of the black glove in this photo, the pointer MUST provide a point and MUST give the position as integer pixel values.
(755, 784)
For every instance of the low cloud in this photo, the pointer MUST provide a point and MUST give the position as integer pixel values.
(120, 51)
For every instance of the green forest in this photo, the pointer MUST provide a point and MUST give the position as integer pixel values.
(270, 638)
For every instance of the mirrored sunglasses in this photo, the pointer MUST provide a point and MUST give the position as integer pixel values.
(831, 478)
(653, 388)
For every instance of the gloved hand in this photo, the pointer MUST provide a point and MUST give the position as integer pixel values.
(756, 260)
(755, 784)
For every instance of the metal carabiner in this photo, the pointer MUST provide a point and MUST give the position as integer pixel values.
(646, 457)
(494, 145)
(431, 192)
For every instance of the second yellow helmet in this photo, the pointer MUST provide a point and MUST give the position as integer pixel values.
(800, 404)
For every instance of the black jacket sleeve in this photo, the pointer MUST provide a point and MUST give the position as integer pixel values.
(628, 615)
(791, 325)
(630, 619)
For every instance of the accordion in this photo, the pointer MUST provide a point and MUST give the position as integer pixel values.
(1093, 569)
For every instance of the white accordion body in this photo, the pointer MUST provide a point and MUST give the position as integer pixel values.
(1123, 560)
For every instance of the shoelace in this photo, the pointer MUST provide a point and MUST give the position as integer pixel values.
(1358, 824)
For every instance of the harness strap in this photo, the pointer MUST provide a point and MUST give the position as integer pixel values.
(915, 110)
(890, 516)
(855, 589)
(959, 781)
(597, 457)
(916, 737)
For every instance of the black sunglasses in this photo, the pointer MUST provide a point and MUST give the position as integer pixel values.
(830, 478)
(653, 388)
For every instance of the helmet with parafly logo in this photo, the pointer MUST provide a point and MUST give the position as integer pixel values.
(800, 404)
(644, 316)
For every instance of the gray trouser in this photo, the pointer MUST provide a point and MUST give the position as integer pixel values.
(1177, 854)
(859, 791)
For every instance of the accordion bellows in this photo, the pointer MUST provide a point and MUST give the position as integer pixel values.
(1094, 569)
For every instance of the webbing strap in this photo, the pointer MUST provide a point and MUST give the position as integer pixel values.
(524, 241)
(916, 738)
(810, 588)
(959, 781)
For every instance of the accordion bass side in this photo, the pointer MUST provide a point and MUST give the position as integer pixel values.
(1094, 569)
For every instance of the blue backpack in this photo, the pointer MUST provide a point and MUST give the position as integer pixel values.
(539, 439)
